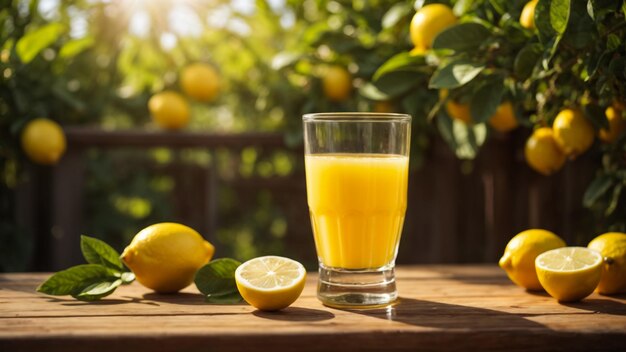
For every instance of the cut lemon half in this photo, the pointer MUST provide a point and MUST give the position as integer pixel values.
(271, 282)
(569, 273)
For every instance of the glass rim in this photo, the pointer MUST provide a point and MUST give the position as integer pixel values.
(356, 116)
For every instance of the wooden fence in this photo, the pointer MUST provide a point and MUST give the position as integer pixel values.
(452, 216)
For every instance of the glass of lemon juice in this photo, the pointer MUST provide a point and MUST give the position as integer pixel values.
(356, 179)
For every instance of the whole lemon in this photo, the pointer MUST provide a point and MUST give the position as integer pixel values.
(573, 132)
(456, 110)
(428, 22)
(43, 141)
(543, 153)
(337, 83)
(527, 18)
(617, 125)
(166, 256)
(519, 256)
(200, 81)
(612, 246)
(169, 110)
(503, 120)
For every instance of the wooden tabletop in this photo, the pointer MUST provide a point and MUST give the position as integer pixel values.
(442, 308)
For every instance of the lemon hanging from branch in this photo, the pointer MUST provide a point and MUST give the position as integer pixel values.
(200, 81)
(428, 22)
(337, 83)
(169, 110)
(43, 141)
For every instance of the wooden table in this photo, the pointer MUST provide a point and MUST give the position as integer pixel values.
(442, 308)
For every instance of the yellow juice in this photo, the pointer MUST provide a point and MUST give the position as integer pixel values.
(357, 204)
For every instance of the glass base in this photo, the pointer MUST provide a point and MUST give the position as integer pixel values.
(344, 288)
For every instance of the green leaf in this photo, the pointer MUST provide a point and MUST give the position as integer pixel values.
(216, 280)
(128, 277)
(397, 83)
(465, 140)
(68, 281)
(559, 14)
(455, 74)
(551, 18)
(462, 37)
(617, 192)
(34, 42)
(486, 99)
(227, 298)
(581, 29)
(396, 13)
(97, 251)
(526, 60)
(75, 47)
(369, 91)
(598, 187)
(403, 61)
(97, 290)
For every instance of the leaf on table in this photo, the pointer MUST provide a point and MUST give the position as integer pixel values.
(97, 290)
(68, 281)
(216, 280)
(226, 298)
(127, 277)
(97, 251)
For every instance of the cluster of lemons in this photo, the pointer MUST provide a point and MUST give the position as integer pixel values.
(538, 259)
(166, 256)
(571, 135)
(43, 140)
(170, 110)
(547, 148)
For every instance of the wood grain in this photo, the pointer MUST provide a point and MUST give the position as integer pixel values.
(442, 308)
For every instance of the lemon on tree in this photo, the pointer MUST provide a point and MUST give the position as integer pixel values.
(169, 110)
(43, 141)
(527, 18)
(200, 81)
(503, 120)
(428, 22)
(617, 125)
(573, 132)
(337, 83)
(270, 282)
(166, 256)
(569, 273)
(543, 153)
(456, 110)
(612, 247)
(520, 253)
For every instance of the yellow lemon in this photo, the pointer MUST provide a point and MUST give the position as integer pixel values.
(200, 81)
(503, 120)
(612, 246)
(418, 50)
(519, 256)
(43, 141)
(337, 83)
(617, 125)
(570, 273)
(573, 132)
(456, 110)
(428, 22)
(166, 256)
(527, 18)
(169, 110)
(270, 283)
(543, 153)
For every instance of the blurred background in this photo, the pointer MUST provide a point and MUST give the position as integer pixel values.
(190, 111)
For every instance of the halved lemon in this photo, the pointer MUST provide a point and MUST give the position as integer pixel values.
(569, 273)
(271, 282)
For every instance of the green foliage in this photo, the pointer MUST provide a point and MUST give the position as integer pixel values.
(216, 281)
(93, 281)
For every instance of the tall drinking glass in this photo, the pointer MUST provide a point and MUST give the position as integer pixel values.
(356, 178)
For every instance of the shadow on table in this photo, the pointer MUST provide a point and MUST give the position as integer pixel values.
(605, 306)
(102, 302)
(296, 314)
(447, 316)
